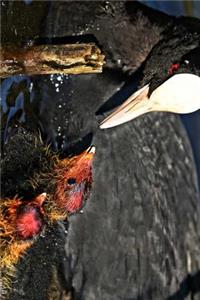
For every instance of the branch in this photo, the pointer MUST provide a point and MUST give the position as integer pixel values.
(51, 59)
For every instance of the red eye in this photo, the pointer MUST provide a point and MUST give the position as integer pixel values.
(173, 68)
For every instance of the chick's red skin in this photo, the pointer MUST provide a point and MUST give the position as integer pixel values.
(75, 202)
(78, 170)
(28, 223)
(26, 218)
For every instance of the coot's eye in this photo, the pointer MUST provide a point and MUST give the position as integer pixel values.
(71, 181)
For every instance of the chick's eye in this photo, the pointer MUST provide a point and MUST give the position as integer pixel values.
(71, 181)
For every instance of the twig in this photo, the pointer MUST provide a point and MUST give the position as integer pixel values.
(51, 59)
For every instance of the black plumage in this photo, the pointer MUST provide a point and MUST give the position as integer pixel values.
(139, 230)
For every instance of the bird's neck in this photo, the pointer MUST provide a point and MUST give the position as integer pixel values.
(146, 27)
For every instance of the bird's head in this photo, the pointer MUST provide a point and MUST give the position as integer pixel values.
(30, 218)
(170, 82)
(73, 182)
(25, 219)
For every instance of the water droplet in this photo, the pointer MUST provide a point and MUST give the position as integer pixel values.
(30, 87)
(146, 149)
(119, 61)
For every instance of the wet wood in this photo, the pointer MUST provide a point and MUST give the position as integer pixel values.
(51, 59)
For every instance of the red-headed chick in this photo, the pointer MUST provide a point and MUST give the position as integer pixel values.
(73, 181)
(20, 221)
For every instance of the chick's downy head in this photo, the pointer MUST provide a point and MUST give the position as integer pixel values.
(29, 220)
(20, 221)
(73, 181)
(26, 218)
